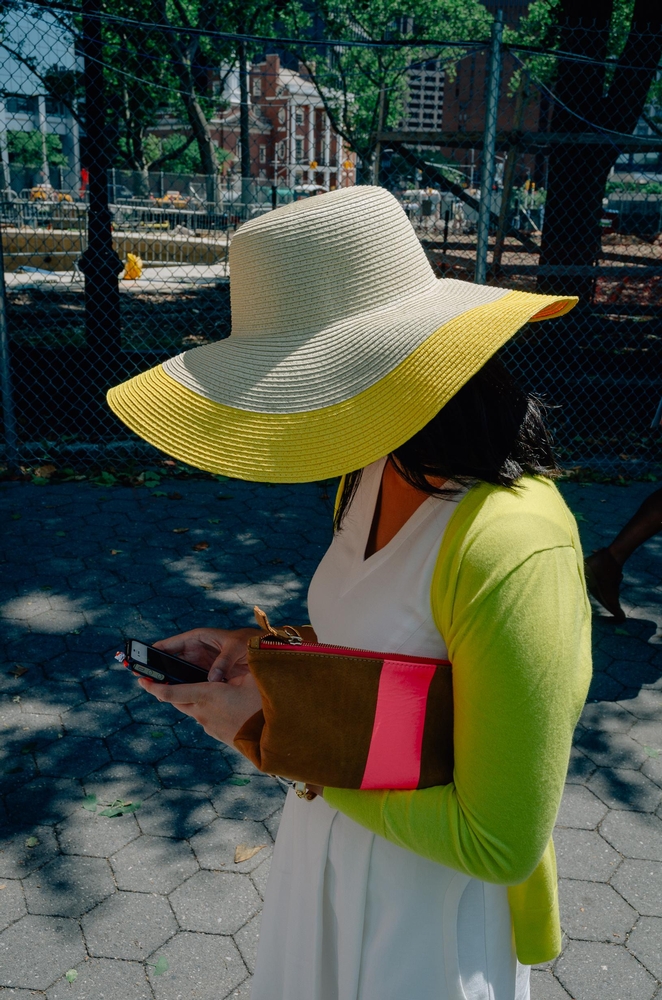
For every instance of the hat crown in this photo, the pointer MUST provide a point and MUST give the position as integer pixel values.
(307, 265)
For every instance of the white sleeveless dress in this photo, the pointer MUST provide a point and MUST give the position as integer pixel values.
(348, 915)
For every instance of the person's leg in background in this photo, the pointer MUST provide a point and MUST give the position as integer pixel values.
(604, 569)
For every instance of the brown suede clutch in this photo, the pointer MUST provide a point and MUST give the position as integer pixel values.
(347, 718)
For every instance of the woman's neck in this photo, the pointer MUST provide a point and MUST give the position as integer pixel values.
(396, 502)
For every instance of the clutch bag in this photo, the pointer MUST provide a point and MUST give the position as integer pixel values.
(347, 718)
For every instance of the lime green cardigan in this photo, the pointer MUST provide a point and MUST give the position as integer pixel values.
(509, 598)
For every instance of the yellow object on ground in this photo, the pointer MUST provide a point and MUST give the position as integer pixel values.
(134, 267)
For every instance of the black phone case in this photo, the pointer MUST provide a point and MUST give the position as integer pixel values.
(193, 674)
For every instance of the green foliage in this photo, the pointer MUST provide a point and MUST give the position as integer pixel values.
(364, 90)
(25, 149)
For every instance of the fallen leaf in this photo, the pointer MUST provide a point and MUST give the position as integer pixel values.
(115, 552)
(200, 546)
(158, 493)
(60, 534)
(244, 853)
(46, 586)
(45, 471)
(16, 698)
(90, 803)
(29, 747)
(621, 631)
(71, 976)
(213, 520)
(651, 751)
(222, 479)
(18, 670)
(207, 586)
(179, 531)
(119, 807)
(169, 461)
(156, 734)
(161, 965)
(3, 886)
(32, 842)
(174, 496)
(76, 631)
(16, 517)
(239, 781)
(578, 516)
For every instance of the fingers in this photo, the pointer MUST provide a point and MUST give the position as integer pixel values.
(176, 694)
(232, 656)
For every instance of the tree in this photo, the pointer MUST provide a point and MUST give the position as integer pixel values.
(26, 149)
(611, 97)
(364, 89)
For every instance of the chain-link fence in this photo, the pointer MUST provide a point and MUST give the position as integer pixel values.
(526, 154)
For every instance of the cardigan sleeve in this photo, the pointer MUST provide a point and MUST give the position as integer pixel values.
(519, 642)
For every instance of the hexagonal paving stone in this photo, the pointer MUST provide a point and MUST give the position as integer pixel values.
(635, 835)
(92, 835)
(38, 950)
(52, 697)
(142, 744)
(148, 709)
(580, 767)
(646, 944)
(580, 808)
(646, 705)
(653, 769)
(197, 769)
(113, 685)
(12, 904)
(596, 971)
(101, 979)
(607, 715)
(583, 854)
(247, 939)
(544, 986)
(73, 756)
(592, 911)
(17, 859)
(191, 734)
(95, 718)
(129, 925)
(215, 845)
(175, 813)
(239, 763)
(30, 733)
(612, 749)
(640, 883)
(201, 967)
(68, 886)
(120, 780)
(215, 902)
(153, 864)
(257, 800)
(44, 801)
(621, 788)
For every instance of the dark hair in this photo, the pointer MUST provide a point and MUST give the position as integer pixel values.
(490, 431)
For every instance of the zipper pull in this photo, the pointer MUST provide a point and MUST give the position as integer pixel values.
(286, 634)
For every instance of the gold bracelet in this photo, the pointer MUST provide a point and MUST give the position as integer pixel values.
(302, 790)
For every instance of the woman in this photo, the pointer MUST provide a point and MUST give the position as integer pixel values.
(348, 354)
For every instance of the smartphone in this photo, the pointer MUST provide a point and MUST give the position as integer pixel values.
(160, 666)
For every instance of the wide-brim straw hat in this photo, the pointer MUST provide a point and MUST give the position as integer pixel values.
(344, 344)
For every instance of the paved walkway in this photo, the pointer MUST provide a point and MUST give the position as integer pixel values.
(152, 903)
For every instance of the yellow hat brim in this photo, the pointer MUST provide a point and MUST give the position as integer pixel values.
(330, 441)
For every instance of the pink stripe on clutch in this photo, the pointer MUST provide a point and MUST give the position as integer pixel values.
(394, 757)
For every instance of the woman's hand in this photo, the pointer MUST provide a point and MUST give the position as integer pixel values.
(220, 651)
(221, 709)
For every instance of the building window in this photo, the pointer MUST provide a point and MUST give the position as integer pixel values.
(299, 116)
(299, 150)
(281, 150)
(281, 116)
(21, 104)
(263, 154)
(257, 87)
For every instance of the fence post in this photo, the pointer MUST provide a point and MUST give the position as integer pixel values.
(100, 264)
(489, 147)
(9, 420)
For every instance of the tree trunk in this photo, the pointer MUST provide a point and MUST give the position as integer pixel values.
(244, 129)
(578, 174)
